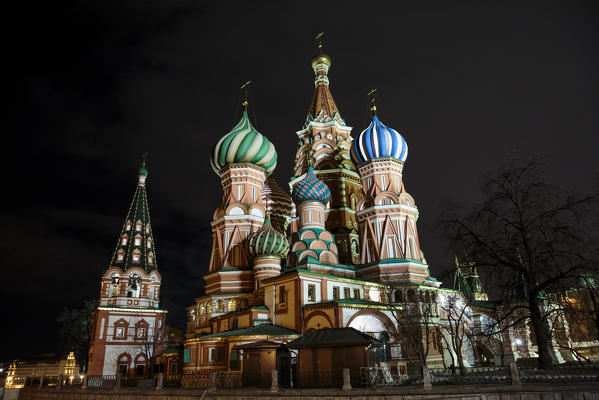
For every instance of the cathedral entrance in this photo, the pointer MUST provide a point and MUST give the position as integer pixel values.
(374, 326)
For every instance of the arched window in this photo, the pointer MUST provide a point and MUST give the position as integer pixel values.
(151, 258)
(128, 226)
(140, 364)
(141, 330)
(136, 255)
(134, 286)
(123, 362)
(138, 226)
(120, 255)
(114, 286)
(124, 239)
(137, 241)
(231, 305)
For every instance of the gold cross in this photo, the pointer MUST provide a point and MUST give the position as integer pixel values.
(244, 87)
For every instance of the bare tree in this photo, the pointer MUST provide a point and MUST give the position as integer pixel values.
(454, 326)
(414, 316)
(76, 329)
(528, 238)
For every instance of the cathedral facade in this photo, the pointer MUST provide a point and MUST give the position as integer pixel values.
(342, 251)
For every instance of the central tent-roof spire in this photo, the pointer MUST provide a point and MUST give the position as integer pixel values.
(322, 100)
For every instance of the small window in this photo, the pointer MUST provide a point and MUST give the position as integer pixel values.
(220, 306)
(335, 292)
(234, 361)
(124, 240)
(148, 228)
(137, 241)
(149, 243)
(128, 226)
(173, 368)
(231, 305)
(356, 293)
(139, 370)
(119, 333)
(138, 226)
(140, 333)
(346, 293)
(282, 293)
(311, 293)
(136, 255)
(120, 255)
(214, 355)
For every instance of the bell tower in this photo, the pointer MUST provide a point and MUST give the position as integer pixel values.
(128, 325)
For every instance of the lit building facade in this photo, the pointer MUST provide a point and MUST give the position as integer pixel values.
(128, 325)
(351, 257)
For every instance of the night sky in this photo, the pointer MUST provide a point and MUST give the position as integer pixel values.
(93, 85)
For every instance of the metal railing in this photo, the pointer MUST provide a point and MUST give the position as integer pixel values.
(377, 376)
(472, 375)
(101, 381)
(566, 373)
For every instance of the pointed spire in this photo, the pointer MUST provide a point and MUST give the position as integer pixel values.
(322, 100)
(135, 245)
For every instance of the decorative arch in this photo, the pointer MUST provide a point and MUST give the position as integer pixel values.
(318, 245)
(308, 234)
(328, 257)
(386, 198)
(307, 253)
(364, 203)
(384, 319)
(325, 163)
(123, 362)
(315, 320)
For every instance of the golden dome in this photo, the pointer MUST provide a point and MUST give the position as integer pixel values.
(321, 59)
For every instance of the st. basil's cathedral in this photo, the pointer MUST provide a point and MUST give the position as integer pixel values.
(342, 251)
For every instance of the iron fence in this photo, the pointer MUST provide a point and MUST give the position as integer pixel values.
(580, 373)
(141, 383)
(377, 376)
(101, 381)
(472, 375)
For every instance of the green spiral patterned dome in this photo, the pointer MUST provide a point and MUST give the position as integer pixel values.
(244, 144)
(267, 241)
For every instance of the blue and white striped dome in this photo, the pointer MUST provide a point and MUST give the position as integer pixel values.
(378, 141)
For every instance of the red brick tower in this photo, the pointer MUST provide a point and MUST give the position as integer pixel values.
(128, 326)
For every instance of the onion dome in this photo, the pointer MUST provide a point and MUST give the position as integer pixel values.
(378, 141)
(244, 144)
(311, 189)
(267, 241)
(278, 203)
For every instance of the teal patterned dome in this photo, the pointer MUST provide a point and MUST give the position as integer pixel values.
(244, 144)
(311, 189)
(267, 241)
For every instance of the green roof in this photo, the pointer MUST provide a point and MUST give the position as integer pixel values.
(140, 253)
(257, 330)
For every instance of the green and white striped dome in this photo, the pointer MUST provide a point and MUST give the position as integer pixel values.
(244, 144)
(267, 241)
